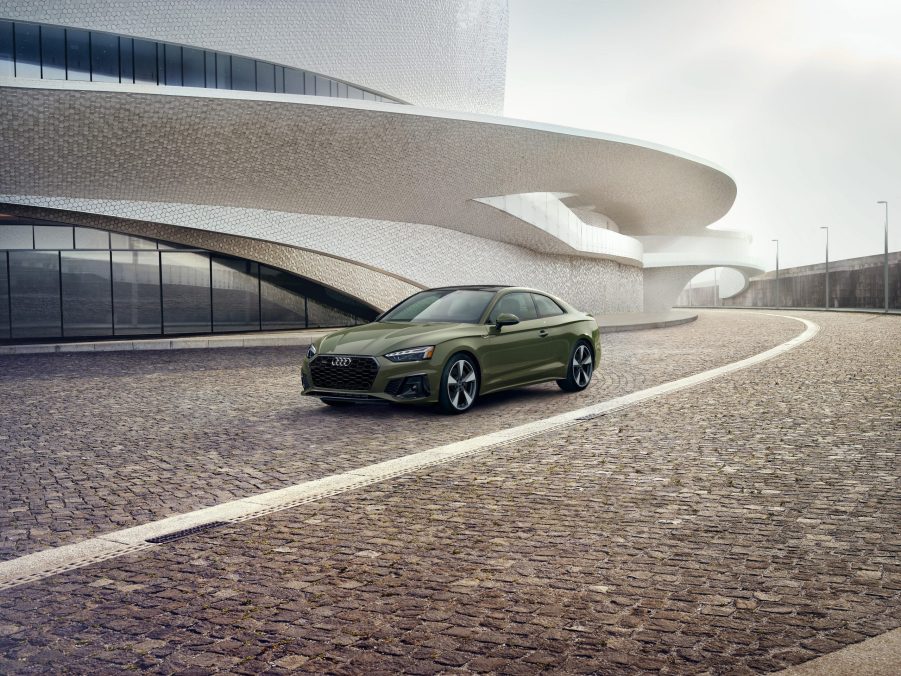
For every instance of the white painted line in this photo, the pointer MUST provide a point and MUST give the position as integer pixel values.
(49, 562)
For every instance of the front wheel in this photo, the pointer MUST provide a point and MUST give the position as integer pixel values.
(580, 369)
(459, 384)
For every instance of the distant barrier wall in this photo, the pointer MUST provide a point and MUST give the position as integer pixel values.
(853, 283)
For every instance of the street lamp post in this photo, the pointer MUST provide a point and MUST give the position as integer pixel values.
(885, 262)
(826, 228)
(716, 288)
(777, 272)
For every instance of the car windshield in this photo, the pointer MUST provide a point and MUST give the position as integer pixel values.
(463, 306)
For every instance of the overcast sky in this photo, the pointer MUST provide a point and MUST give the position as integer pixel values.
(798, 100)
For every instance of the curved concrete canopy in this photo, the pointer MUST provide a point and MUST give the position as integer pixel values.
(369, 160)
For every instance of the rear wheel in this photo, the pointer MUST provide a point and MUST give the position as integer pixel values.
(580, 369)
(459, 384)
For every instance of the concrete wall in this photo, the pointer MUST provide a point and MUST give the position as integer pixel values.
(853, 283)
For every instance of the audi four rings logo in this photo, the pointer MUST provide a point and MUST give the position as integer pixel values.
(341, 361)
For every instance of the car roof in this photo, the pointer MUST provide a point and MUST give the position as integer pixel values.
(488, 287)
(475, 287)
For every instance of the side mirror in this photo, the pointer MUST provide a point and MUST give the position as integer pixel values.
(506, 319)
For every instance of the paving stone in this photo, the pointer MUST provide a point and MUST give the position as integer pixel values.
(93, 443)
(536, 526)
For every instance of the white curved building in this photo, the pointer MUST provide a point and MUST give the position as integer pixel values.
(283, 164)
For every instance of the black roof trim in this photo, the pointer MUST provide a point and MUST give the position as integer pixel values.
(480, 287)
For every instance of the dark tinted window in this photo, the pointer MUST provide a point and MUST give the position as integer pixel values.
(210, 66)
(104, 57)
(464, 306)
(546, 307)
(78, 54)
(243, 74)
(53, 52)
(265, 77)
(293, 81)
(145, 62)
(519, 304)
(7, 62)
(173, 65)
(223, 71)
(28, 50)
(126, 60)
(193, 67)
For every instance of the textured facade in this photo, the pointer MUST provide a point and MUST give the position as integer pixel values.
(448, 54)
(329, 250)
(368, 198)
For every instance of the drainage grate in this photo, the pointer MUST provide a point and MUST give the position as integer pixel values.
(177, 535)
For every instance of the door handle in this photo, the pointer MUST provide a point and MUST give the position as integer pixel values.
(543, 333)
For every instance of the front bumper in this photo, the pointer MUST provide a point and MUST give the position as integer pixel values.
(404, 382)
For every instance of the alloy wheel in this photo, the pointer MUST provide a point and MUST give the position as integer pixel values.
(582, 365)
(461, 384)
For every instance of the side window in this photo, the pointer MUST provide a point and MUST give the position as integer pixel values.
(519, 304)
(546, 307)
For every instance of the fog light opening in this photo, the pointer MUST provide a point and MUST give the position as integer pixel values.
(414, 387)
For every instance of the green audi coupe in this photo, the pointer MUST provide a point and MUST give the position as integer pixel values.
(450, 345)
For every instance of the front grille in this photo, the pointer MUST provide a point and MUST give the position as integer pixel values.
(341, 372)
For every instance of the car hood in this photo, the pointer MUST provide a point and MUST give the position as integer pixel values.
(379, 338)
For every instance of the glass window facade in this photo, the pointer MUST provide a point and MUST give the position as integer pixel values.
(282, 302)
(87, 289)
(4, 297)
(53, 52)
(53, 237)
(58, 280)
(89, 238)
(16, 237)
(7, 57)
(236, 294)
(34, 296)
(104, 57)
(78, 54)
(186, 292)
(27, 50)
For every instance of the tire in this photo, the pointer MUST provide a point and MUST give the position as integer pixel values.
(459, 384)
(579, 369)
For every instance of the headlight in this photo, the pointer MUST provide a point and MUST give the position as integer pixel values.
(412, 354)
(311, 352)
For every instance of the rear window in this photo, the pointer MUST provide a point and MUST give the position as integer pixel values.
(546, 306)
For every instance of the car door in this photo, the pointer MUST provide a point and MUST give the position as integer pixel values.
(556, 336)
(512, 354)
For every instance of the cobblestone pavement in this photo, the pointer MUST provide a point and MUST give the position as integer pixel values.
(96, 442)
(740, 526)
